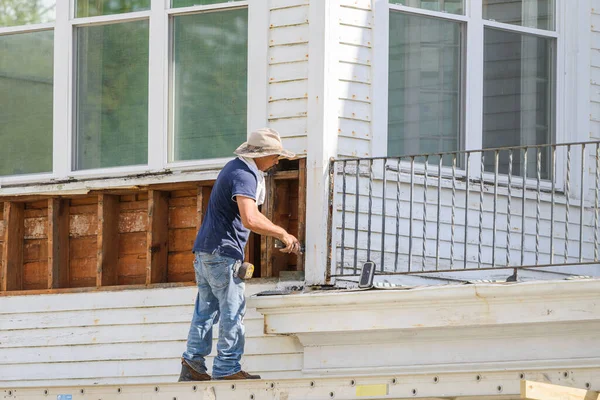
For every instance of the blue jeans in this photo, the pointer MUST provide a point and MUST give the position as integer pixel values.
(220, 299)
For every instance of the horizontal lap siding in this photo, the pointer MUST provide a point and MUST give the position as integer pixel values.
(594, 86)
(354, 78)
(119, 337)
(288, 72)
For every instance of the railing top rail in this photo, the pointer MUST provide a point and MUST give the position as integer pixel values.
(446, 153)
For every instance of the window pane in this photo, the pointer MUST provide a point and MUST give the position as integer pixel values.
(26, 70)
(424, 85)
(93, 8)
(530, 13)
(449, 6)
(518, 95)
(27, 12)
(112, 93)
(189, 3)
(210, 84)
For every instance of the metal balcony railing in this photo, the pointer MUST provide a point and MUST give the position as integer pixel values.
(513, 207)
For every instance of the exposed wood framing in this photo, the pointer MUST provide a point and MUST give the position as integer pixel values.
(11, 277)
(531, 390)
(301, 210)
(158, 237)
(108, 240)
(131, 236)
(202, 203)
(58, 243)
(266, 243)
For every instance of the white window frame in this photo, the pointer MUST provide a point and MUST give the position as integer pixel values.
(11, 30)
(158, 15)
(568, 85)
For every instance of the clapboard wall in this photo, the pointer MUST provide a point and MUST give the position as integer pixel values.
(288, 71)
(131, 336)
(595, 72)
(354, 77)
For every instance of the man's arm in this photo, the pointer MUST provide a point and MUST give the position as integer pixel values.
(258, 223)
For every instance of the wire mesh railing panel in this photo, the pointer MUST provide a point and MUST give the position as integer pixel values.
(514, 207)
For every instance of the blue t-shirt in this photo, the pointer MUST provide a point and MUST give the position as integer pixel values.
(222, 229)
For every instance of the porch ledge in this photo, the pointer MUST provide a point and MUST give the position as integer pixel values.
(452, 328)
(431, 307)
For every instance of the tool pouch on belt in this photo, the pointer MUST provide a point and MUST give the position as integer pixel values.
(244, 270)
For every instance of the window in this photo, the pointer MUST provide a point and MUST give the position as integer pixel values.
(144, 86)
(210, 58)
(518, 94)
(449, 6)
(93, 8)
(27, 12)
(530, 13)
(190, 3)
(111, 87)
(112, 95)
(26, 87)
(424, 84)
(514, 61)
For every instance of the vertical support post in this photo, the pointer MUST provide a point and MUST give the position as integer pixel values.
(202, 204)
(157, 89)
(301, 209)
(266, 243)
(11, 275)
(58, 243)
(322, 132)
(108, 240)
(157, 237)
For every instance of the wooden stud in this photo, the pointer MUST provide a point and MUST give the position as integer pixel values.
(158, 237)
(108, 240)
(58, 243)
(202, 203)
(266, 243)
(292, 174)
(301, 210)
(531, 390)
(11, 275)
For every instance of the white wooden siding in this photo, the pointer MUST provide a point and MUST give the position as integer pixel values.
(354, 78)
(595, 72)
(594, 90)
(288, 71)
(134, 336)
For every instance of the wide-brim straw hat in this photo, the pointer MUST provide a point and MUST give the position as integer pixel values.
(262, 143)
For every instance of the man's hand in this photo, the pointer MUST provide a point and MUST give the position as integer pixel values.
(292, 245)
(258, 223)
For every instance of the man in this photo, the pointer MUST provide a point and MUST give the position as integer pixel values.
(219, 249)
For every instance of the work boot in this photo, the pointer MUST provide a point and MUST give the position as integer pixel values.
(238, 375)
(190, 374)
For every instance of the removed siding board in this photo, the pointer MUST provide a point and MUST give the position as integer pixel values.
(119, 337)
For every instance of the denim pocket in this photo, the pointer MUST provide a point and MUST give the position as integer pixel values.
(218, 270)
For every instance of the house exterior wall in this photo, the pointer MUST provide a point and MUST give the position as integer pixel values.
(354, 78)
(138, 336)
(362, 129)
(134, 336)
(288, 71)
